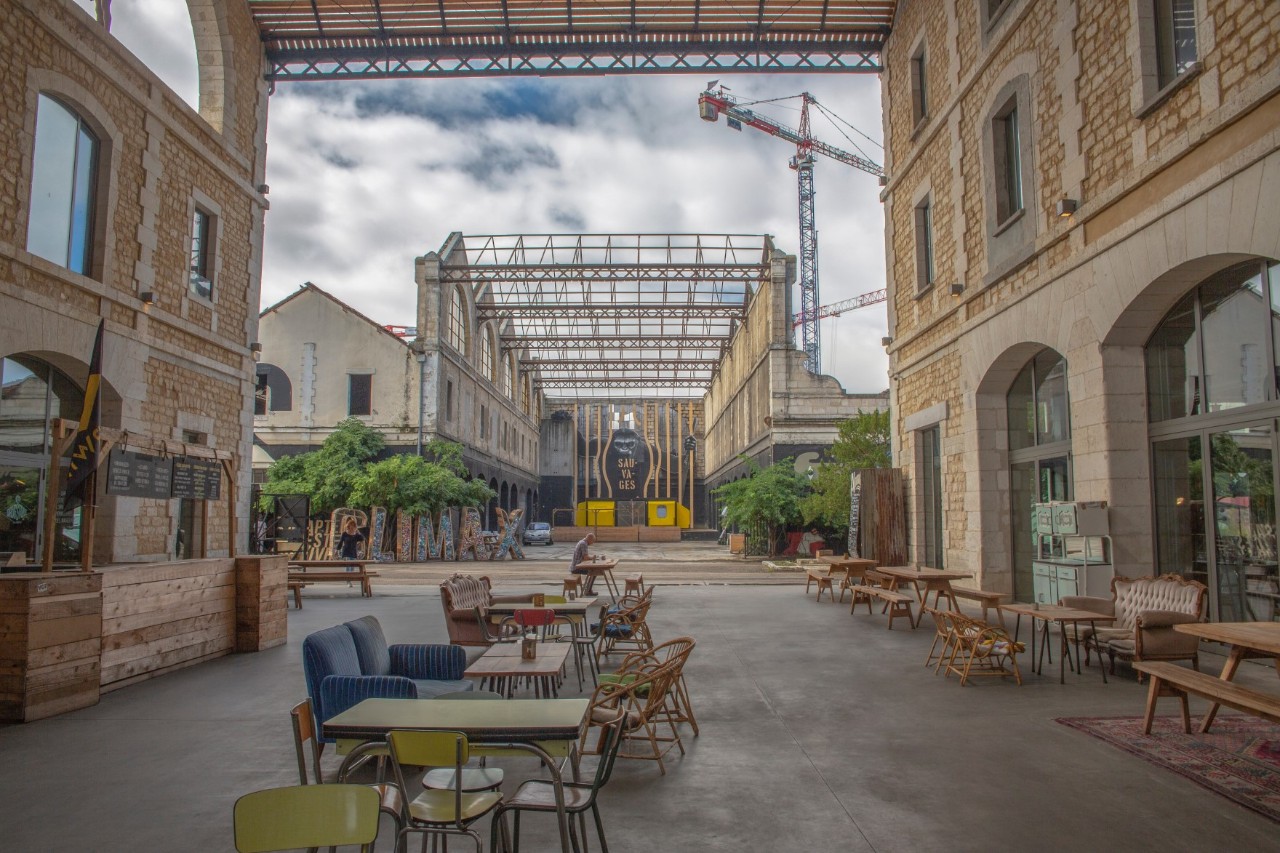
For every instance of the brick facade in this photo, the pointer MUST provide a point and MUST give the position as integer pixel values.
(1170, 186)
(181, 364)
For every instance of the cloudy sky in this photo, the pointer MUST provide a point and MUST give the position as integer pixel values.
(367, 176)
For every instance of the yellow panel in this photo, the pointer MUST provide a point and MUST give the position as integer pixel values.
(601, 514)
(662, 513)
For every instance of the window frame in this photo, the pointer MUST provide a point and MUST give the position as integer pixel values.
(1007, 166)
(353, 379)
(456, 327)
(86, 177)
(926, 267)
(202, 257)
(919, 86)
(1152, 86)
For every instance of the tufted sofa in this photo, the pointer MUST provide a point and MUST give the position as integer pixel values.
(348, 663)
(1146, 609)
(460, 595)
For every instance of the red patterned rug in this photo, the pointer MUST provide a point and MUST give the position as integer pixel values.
(1239, 758)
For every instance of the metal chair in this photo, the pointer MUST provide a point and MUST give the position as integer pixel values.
(305, 740)
(306, 816)
(538, 795)
(436, 811)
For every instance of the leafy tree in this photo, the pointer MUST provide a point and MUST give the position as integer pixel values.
(863, 442)
(763, 503)
(326, 475)
(413, 484)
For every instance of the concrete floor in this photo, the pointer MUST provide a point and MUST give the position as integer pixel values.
(820, 732)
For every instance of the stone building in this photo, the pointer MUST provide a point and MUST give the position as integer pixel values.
(322, 362)
(1083, 225)
(125, 205)
(763, 403)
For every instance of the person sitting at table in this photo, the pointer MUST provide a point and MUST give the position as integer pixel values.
(349, 542)
(581, 554)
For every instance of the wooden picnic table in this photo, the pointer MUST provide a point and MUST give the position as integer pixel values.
(829, 567)
(1246, 639)
(598, 567)
(926, 580)
(303, 572)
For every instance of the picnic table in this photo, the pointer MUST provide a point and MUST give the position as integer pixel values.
(304, 572)
(829, 567)
(926, 580)
(1247, 640)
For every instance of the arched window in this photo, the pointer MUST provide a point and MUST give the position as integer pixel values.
(64, 187)
(456, 327)
(1039, 453)
(509, 376)
(275, 391)
(1213, 393)
(32, 393)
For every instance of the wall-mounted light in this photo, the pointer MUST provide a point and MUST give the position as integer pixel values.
(255, 347)
(957, 288)
(1066, 207)
(148, 297)
(886, 340)
(263, 189)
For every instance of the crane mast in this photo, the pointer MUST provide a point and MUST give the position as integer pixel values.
(710, 105)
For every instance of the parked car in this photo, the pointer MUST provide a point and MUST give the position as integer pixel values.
(537, 533)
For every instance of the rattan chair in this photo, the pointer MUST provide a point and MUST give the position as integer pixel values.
(982, 649)
(676, 652)
(626, 629)
(306, 816)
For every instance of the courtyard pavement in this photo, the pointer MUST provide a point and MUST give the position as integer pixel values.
(821, 732)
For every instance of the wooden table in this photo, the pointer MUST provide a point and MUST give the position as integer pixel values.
(1246, 639)
(852, 567)
(543, 727)
(578, 607)
(503, 665)
(926, 580)
(1062, 616)
(600, 567)
(301, 573)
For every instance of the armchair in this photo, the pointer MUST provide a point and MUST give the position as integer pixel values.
(461, 595)
(1146, 609)
(348, 663)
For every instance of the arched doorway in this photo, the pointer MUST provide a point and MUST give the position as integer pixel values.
(1039, 431)
(1213, 395)
(32, 393)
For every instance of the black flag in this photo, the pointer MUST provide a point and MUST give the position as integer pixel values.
(84, 450)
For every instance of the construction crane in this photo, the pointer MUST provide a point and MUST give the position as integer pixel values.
(835, 309)
(714, 102)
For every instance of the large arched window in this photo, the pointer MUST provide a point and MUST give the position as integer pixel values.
(456, 327)
(274, 390)
(509, 376)
(1213, 394)
(64, 187)
(32, 393)
(1039, 453)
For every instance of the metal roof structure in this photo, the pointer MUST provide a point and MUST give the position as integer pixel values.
(314, 39)
(604, 315)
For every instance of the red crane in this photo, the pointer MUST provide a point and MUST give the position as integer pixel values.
(714, 102)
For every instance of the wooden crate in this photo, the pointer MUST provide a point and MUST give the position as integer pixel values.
(50, 643)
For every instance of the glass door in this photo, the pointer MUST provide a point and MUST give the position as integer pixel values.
(1032, 482)
(1242, 474)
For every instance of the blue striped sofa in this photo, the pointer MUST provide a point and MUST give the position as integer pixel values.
(348, 663)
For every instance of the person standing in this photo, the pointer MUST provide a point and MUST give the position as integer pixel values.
(582, 554)
(349, 542)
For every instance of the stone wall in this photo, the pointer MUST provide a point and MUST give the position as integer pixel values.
(1170, 186)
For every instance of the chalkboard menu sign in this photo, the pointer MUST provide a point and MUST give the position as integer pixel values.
(197, 479)
(138, 475)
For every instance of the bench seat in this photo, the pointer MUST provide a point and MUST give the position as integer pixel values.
(897, 604)
(309, 577)
(823, 575)
(1169, 679)
(987, 598)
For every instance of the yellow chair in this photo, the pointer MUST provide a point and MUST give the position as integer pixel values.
(306, 816)
(305, 740)
(435, 811)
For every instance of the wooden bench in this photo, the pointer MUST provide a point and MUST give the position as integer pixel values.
(988, 600)
(1169, 679)
(295, 587)
(825, 578)
(360, 574)
(897, 604)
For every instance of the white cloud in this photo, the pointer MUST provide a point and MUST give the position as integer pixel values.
(366, 176)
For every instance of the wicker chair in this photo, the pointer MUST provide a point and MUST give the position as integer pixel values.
(981, 649)
(626, 629)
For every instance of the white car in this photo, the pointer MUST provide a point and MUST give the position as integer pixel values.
(537, 533)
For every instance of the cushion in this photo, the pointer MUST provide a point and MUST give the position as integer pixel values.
(371, 646)
(429, 689)
(331, 651)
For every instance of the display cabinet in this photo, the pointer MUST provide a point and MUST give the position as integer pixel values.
(1072, 551)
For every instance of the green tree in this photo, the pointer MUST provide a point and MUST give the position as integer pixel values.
(413, 484)
(326, 475)
(863, 442)
(763, 503)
